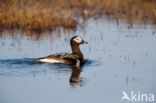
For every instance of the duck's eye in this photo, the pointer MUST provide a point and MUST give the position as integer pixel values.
(78, 40)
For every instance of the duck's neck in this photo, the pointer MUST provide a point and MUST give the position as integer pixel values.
(76, 50)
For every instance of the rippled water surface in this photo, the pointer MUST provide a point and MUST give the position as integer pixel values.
(118, 58)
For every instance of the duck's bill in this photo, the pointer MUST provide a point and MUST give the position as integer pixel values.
(84, 42)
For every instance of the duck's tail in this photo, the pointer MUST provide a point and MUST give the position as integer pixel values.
(32, 59)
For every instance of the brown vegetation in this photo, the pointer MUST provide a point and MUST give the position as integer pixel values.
(48, 14)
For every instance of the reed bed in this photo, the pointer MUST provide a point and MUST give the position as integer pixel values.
(41, 15)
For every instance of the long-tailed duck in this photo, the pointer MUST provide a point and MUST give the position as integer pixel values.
(74, 58)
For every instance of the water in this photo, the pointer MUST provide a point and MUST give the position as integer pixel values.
(118, 58)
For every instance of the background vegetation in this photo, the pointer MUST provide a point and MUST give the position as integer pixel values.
(49, 14)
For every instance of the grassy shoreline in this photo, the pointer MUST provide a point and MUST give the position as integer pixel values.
(41, 15)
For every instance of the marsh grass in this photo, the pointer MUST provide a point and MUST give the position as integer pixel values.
(43, 15)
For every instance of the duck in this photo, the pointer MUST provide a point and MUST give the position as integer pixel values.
(75, 58)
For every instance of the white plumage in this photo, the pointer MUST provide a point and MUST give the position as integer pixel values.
(50, 60)
(78, 39)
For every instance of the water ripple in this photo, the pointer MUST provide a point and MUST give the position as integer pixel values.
(12, 67)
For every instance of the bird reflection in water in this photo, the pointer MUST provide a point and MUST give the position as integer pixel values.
(74, 80)
(75, 74)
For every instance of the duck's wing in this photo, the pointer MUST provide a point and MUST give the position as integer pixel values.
(59, 58)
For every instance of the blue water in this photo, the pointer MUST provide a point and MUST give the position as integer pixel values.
(15, 67)
(118, 58)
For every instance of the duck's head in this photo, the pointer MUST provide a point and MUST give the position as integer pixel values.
(76, 40)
